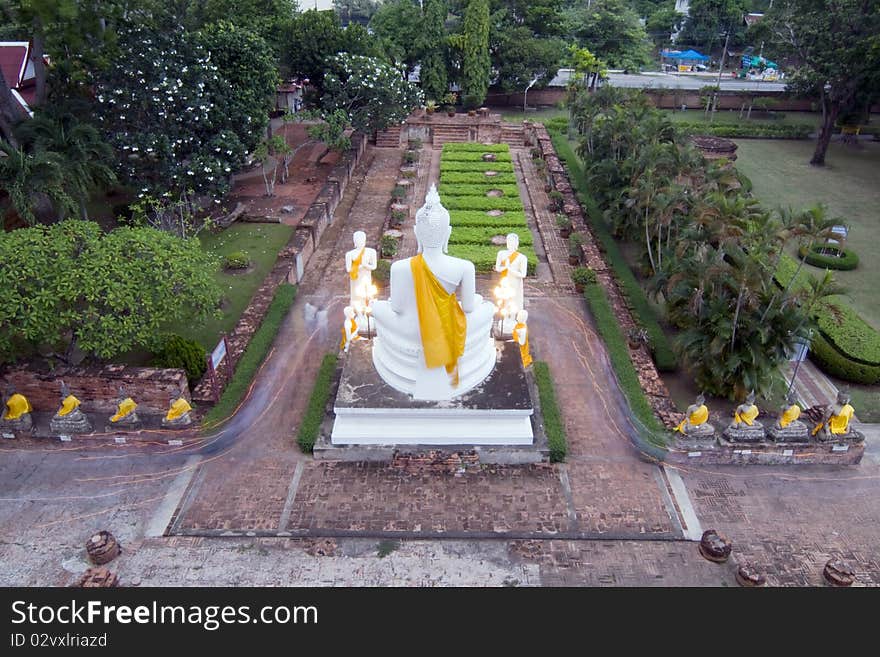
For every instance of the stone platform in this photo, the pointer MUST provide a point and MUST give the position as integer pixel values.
(373, 421)
(723, 452)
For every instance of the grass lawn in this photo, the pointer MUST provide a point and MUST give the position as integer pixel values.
(262, 242)
(732, 116)
(849, 184)
(517, 116)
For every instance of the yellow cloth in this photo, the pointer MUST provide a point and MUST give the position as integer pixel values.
(840, 423)
(524, 353)
(696, 418)
(748, 416)
(790, 414)
(68, 405)
(442, 323)
(507, 262)
(17, 405)
(356, 264)
(178, 407)
(352, 328)
(124, 409)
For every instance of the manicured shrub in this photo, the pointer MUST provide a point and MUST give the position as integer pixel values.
(512, 218)
(310, 427)
(476, 178)
(557, 200)
(382, 272)
(484, 257)
(583, 276)
(178, 352)
(553, 424)
(851, 334)
(507, 191)
(474, 156)
(749, 130)
(482, 203)
(237, 260)
(832, 258)
(388, 246)
(832, 362)
(453, 165)
(399, 192)
(484, 235)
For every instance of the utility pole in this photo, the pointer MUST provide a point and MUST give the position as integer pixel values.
(720, 70)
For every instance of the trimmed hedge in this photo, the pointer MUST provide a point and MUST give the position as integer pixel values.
(512, 218)
(851, 334)
(450, 147)
(483, 236)
(484, 257)
(832, 362)
(310, 427)
(476, 178)
(500, 167)
(179, 352)
(847, 262)
(482, 203)
(755, 131)
(661, 350)
(553, 425)
(459, 189)
(474, 156)
(253, 357)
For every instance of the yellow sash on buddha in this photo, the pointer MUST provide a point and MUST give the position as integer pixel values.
(695, 419)
(749, 416)
(507, 262)
(524, 353)
(68, 405)
(442, 323)
(840, 423)
(17, 405)
(178, 408)
(352, 329)
(356, 265)
(790, 414)
(126, 407)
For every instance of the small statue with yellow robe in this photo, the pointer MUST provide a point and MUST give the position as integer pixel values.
(125, 412)
(788, 428)
(696, 422)
(521, 337)
(17, 416)
(836, 422)
(745, 426)
(69, 418)
(178, 415)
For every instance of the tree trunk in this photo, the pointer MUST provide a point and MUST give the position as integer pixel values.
(648, 242)
(39, 65)
(11, 112)
(829, 118)
(739, 300)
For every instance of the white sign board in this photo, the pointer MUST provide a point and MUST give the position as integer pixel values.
(219, 353)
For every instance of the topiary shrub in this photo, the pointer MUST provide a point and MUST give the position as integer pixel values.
(388, 246)
(176, 351)
(583, 276)
(830, 257)
(237, 260)
(382, 272)
(832, 362)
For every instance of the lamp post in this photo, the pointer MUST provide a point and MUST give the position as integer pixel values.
(803, 348)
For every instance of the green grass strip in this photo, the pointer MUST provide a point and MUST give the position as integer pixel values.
(253, 356)
(618, 352)
(452, 165)
(661, 350)
(484, 203)
(458, 189)
(483, 236)
(484, 257)
(553, 425)
(471, 147)
(474, 156)
(476, 178)
(512, 218)
(310, 426)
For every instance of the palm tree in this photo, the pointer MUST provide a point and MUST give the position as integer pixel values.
(35, 183)
(79, 146)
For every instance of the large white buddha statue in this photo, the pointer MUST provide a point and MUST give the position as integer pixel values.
(433, 335)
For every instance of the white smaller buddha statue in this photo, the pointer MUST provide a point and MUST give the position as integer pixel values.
(359, 264)
(513, 267)
(521, 337)
(349, 329)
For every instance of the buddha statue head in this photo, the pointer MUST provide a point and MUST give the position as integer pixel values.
(348, 311)
(791, 398)
(512, 242)
(843, 397)
(360, 239)
(750, 398)
(65, 391)
(700, 400)
(432, 223)
(522, 317)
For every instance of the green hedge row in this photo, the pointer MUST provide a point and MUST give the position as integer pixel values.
(618, 352)
(757, 131)
(847, 262)
(500, 167)
(553, 425)
(253, 356)
(484, 257)
(483, 235)
(459, 189)
(661, 350)
(832, 362)
(482, 203)
(512, 218)
(476, 178)
(310, 427)
(474, 156)
(851, 334)
(451, 147)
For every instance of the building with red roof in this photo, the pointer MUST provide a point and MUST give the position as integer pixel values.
(18, 71)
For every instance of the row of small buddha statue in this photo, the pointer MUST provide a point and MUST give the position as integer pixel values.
(831, 422)
(71, 419)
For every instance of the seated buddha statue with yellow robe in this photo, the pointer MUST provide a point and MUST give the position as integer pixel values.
(836, 422)
(17, 415)
(125, 410)
(178, 414)
(433, 335)
(696, 422)
(69, 418)
(788, 427)
(746, 413)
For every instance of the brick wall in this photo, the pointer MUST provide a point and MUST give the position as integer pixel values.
(97, 387)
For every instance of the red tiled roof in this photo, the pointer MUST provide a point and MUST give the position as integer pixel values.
(13, 60)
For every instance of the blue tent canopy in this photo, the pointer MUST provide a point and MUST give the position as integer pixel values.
(685, 55)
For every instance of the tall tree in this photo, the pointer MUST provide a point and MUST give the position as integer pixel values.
(399, 26)
(709, 21)
(476, 65)
(433, 74)
(836, 49)
(611, 30)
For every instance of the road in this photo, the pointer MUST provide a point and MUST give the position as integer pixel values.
(694, 82)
